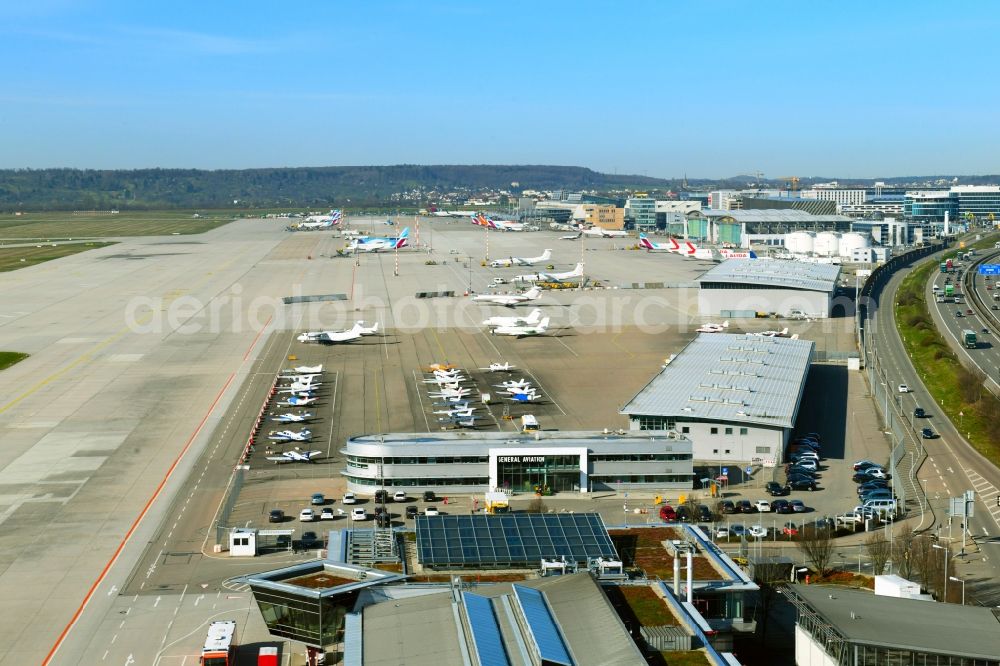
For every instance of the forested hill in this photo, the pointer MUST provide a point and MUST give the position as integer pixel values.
(76, 189)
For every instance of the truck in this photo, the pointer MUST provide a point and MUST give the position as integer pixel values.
(949, 265)
(969, 338)
(944, 266)
(949, 290)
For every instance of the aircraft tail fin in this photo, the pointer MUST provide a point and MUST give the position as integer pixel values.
(753, 255)
(784, 331)
(534, 316)
(725, 324)
(543, 324)
(546, 255)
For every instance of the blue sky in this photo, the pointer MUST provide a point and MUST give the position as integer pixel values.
(710, 89)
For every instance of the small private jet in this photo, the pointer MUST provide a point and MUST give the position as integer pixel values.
(523, 331)
(509, 300)
(550, 277)
(533, 318)
(499, 367)
(295, 456)
(332, 337)
(598, 232)
(577, 236)
(521, 261)
(713, 328)
(291, 418)
(290, 436)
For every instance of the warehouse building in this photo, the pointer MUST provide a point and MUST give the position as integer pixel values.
(744, 287)
(476, 462)
(735, 396)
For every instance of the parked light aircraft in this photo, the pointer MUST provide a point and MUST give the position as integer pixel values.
(522, 331)
(772, 334)
(533, 318)
(291, 436)
(605, 233)
(457, 410)
(524, 397)
(500, 225)
(551, 277)
(295, 456)
(499, 367)
(518, 383)
(509, 300)
(305, 392)
(469, 422)
(298, 401)
(365, 244)
(332, 337)
(305, 370)
(291, 418)
(521, 261)
(713, 328)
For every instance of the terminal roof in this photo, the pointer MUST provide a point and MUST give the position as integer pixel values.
(785, 273)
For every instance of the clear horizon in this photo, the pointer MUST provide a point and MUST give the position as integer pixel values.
(715, 91)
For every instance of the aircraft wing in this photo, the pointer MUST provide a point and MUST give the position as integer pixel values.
(280, 459)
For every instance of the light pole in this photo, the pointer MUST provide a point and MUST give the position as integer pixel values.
(962, 581)
(947, 553)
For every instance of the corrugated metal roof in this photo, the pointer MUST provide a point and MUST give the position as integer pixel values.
(775, 273)
(726, 377)
(775, 215)
(485, 630)
(542, 625)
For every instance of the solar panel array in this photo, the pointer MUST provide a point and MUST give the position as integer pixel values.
(486, 636)
(543, 627)
(512, 539)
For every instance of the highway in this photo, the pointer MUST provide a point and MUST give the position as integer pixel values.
(952, 466)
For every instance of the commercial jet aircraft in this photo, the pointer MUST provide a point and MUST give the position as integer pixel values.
(550, 277)
(318, 222)
(509, 300)
(365, 244)
(500, 225)
(533, 318)
(521, 261)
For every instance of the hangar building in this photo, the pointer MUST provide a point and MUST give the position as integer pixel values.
(743, 287)
(735, 396)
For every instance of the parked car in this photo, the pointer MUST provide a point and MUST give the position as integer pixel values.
(722, 532)
(927, 433)
(683, 514)
(704, 514)
(790, 529)
(781, 506)
(802, 484)
(310, 540)
(814, 435)
(667, 514)
(798, 506)
(381, 496)
(359, 513)
(326, 513)
(307, 515)
(775, 489)
(758, 531)
(864, 463)
(276, 516)
(349, 498)
(801, 473)
(429, 496)
(763, 506)
(317, 499)
(431, 511)
(745, 506)
(738, 530)
(727, 507)
(399, 496)
(810, 465)
(411, 512)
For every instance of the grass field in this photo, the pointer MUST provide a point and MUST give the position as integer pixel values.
(67, 225)
(959, 394)
(8, 359)
(13, 258)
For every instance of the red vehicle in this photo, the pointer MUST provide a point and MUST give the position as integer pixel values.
(268, 656)
(220, 644)
(667, 514)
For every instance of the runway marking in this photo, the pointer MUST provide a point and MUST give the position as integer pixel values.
(135, 524)
(333, 411)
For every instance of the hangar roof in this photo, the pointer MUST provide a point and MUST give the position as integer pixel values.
(788, 274)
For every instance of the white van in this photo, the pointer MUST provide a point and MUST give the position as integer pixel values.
(881, 505)
(529, 423)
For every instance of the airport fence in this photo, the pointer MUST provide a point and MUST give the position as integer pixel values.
(222, 525)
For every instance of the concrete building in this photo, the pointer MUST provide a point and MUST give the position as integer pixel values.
(889, 205)
(600, 215)
(735, 396)
(837, 626)
(725, 200)
(838, 195)
(982, 201)
(743, 287)
(765, 226)
(476, 462)
(641, 213)
(930, 206)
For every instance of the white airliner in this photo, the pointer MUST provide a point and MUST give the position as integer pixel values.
(332, 337)
(605, 233)
(290, 436)
(292, 418)
(551, 277)
(521, 261)
(298, 401)
(522, 331)
(533, 318)
(499, 367)
(692, 251)
(713, 328)
(365, 244)
(317, 222)
(500, 225)
(295, 456)
(509, 300)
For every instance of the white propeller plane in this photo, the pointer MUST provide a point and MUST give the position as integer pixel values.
(366, 330)
(295, 456)
(519, 383)
(533, 318)
(772, 334)
(510, 300)
(290, 436)
(469, 422)
(291, 418)
(522, 331)
(298, 401)
(332, 337)
(499, 367)
(713, 328)
(457, 411)
(305, 370)
(521, 261)
(550, 277)
(605, 233)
